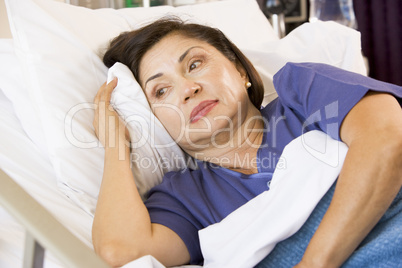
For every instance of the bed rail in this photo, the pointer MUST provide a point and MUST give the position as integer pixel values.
(43, 230)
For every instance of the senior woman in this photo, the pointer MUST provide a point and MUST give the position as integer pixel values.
(196, 70)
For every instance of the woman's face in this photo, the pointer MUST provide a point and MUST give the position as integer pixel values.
(195, 91)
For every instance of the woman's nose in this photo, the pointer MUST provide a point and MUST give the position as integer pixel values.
(190, 89)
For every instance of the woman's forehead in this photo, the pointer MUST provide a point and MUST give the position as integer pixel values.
(172, 49)
(176, 43)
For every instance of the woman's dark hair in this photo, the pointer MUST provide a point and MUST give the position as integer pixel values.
(129, 48)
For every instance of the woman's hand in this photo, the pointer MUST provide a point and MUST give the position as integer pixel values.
(109, 127)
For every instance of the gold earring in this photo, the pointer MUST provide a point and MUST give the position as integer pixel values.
(248, 84)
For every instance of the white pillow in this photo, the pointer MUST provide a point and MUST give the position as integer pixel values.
(60, 47)
(13, 87)
(323, 42)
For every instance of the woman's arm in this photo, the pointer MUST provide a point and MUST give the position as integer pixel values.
(122, 230)
(369, 181)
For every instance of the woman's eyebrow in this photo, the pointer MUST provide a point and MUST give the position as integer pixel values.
(181, 58)
(153, 77)
(186, 52)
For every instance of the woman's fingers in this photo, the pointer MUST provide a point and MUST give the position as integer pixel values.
(98, 94)
(105, 91)
(112, 84)
(107, 123)
(102, 99)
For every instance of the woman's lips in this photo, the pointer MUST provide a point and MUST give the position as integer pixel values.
(202, 109)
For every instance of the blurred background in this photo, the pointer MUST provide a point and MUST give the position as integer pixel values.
(379, 21)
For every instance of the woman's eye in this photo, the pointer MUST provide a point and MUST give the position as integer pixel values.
(160, 92)
(195, 64)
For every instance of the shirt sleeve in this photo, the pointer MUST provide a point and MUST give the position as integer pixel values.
(166, 209)
(321, 95)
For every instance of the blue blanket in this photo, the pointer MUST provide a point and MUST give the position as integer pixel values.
(381, 248)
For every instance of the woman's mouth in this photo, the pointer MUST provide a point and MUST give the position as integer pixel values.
(202, 109)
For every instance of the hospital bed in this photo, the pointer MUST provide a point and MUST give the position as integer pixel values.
(50, 70)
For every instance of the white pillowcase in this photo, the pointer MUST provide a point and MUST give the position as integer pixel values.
(60, 48)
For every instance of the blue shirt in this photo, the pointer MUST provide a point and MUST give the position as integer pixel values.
(311, 97)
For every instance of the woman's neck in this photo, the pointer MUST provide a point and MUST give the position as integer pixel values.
(236, 151)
